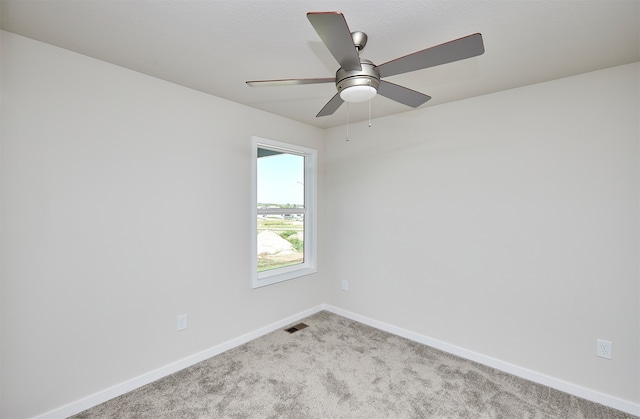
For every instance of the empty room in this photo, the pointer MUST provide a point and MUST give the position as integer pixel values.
(319, 209)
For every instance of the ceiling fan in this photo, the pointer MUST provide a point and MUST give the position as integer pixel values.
(359, 79)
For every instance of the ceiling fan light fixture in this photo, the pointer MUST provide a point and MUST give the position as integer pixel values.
(358, 93)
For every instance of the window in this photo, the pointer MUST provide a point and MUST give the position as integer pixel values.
(284, 197)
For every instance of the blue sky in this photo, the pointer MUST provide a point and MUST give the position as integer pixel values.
(281, 179)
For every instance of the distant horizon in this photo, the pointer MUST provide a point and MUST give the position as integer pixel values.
(263, 204)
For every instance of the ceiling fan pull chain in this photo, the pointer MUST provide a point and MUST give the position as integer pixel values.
(370, 107)
(347, 121)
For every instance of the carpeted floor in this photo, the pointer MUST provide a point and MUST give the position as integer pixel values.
(338, 368)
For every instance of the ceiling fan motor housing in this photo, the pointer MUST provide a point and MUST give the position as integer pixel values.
(368, 76)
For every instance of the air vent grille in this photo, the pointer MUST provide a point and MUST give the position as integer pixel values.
(294, 329)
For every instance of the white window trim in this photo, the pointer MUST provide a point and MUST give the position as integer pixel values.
(309, 266)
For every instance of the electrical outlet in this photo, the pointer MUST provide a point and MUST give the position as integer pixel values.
(181, 323)
(604, 349)
(345, 285)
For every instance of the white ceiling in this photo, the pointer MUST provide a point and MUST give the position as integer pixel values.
(216, 45)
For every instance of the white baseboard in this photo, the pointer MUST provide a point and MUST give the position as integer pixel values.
(134, 383)
(585, 393)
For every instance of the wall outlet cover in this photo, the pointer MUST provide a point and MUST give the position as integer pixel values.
(181, 322)
(604, 349)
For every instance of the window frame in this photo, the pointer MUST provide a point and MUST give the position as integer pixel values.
(309, 264)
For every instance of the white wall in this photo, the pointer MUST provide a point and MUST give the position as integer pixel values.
(125, 202)
(506, 224)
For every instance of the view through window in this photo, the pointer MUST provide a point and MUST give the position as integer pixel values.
(281, 209)
(284, 197)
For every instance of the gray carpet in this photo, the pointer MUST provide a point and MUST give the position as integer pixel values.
(338, 368)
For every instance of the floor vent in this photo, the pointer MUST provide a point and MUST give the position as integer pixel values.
(295, 328)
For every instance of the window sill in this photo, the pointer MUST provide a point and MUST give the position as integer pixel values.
(282, 274)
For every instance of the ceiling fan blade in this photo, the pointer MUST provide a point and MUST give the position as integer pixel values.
(331, 106)
(289, 82)
(402, 94)
(334, 32)
(459, 49)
